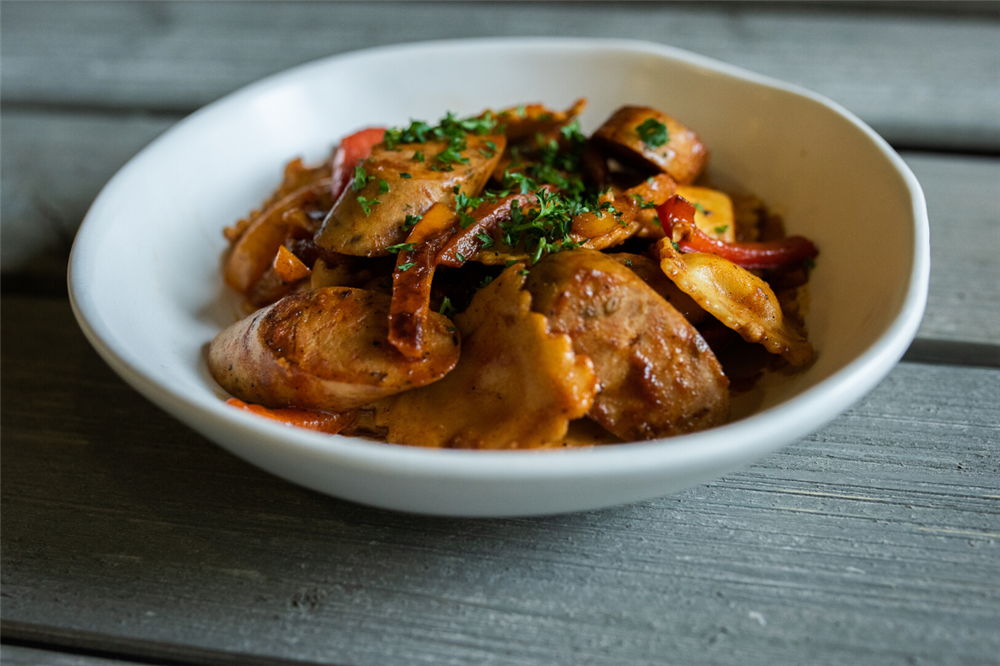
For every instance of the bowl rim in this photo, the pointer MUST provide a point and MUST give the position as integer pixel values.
(821, 402)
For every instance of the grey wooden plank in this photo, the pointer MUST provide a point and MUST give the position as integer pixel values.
(980, 7)
(52, 167)
(16, 655)
(963, 205)
(873, 540)
(54, 164)
(920, 78)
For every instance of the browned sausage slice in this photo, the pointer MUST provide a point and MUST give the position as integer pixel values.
(633, 135)
(406, 180)
(650, 272)
(325, 349)
(657, 375)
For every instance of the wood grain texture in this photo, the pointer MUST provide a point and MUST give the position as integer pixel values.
(963, 205)
(53, 165)
(873, 540)
(927, 79)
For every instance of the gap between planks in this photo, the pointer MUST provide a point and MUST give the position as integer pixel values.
(139, 651)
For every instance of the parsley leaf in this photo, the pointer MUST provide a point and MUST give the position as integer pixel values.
(485, 238)
(447, 309)
(410, 222)
(642, 203)
(366, 204)
(408, 247)
(453, 153)
(405, 267)
(653, 133)
(360, 178)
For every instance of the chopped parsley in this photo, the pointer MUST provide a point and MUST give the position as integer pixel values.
(403, 174)
(360, 178)
(489, 151)
(450, 130)
(544, 228)
(452, 154)
(463, 204)
(401, 247)
(447, 309)
(547, 169)
(383, 186)
(405, 267)
(485, 238)
(366, 204)
(721, 229)
(653, 133)
(642, 203)
(701, 209)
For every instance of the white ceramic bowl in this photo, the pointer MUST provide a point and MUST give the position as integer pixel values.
(146, 287)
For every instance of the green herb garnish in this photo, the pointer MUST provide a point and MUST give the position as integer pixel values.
(485, 238)
(366, 204)
(653, 133)
(360, 178)
(447, 309)
(401, 247)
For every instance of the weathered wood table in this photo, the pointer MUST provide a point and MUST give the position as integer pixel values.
(127, 538)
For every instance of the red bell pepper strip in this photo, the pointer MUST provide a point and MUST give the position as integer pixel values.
(678, 213)
(350, 152)
(300, 418)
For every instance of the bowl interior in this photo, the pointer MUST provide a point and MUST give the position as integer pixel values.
(145, 276)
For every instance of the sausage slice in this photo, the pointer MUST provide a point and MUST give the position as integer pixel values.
(325, 349)
(657, 375)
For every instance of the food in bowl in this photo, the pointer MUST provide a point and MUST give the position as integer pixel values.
(505, 281)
